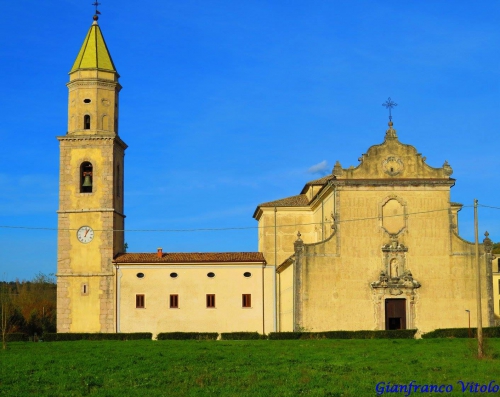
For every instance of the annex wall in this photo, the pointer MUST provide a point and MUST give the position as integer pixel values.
(191, 285)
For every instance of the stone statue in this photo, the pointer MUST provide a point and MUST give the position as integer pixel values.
(394, 268)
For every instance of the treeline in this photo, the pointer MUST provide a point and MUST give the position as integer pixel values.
(29, 306)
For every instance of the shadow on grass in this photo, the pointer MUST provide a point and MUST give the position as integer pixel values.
(489, 352)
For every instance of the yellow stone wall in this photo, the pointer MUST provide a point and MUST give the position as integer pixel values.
(101, 88)
(100, 210)
(289, 221)
(285, 301)
(192, 285)
(337, 285)
(496, 287)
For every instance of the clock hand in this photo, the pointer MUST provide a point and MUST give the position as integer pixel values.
(85, 235)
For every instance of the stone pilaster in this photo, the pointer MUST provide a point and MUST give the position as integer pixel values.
(488, 257)
(297, 283)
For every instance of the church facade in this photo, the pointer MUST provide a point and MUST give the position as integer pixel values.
(378, 248)
(369, 247)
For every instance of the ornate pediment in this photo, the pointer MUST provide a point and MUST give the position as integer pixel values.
(393, 160)
(397, 284)
(395, 277)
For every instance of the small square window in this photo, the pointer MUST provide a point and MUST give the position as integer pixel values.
(211, 300)
(246, 300)
(174, 301)
(140, 301)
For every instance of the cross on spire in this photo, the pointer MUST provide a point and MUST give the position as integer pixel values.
(96, 4)
(389, 104)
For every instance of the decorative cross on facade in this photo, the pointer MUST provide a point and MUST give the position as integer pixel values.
(96, 4)
(389, 104)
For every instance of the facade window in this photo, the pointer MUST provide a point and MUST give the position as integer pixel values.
(499, 286)
(140, 275)
(211, 300)
(247, 274)
(86, 174)
(174, 301)
(85, 289)
(140, 301)
(211, 274)
(86, 122)
(246, 300)
(173, 275)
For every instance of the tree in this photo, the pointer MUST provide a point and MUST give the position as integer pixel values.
(6, 307)
(496, 248)
(36, 301)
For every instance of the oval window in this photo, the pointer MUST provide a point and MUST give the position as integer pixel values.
(173, 275)
(87, 100)
(140, 275)
(211, 274)
(247, 274)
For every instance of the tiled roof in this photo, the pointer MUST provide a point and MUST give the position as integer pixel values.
(321, 181)
(189, 257)
(293, 201)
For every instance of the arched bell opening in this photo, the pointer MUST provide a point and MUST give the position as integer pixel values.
(86, 172)
(86, 122)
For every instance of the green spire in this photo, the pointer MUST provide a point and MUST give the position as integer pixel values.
(94, 53)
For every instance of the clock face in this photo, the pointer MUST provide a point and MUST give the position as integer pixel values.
(393, 165)
(85, 234)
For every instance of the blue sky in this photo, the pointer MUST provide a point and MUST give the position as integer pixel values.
(230, 104)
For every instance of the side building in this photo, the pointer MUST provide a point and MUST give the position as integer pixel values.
(195, 292)
(374, 247)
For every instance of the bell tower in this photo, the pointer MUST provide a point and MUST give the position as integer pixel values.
(90, 215)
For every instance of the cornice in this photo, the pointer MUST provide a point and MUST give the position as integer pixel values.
(286, 263)
(93, 81)
(74, 211)
(75, 138)
(394, 182)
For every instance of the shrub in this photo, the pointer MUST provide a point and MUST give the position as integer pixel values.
(241, 336)
(488, 332)
(285, 335)
(59, 337)
(17, 337)
(187, 335)
(395, 334)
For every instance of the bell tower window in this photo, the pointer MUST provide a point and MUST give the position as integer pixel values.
(86, 172)
(86, 122)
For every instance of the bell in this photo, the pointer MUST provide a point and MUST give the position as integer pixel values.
(87, 182)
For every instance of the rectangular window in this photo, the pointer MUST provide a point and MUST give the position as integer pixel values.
(499, 285)
(210, 300)
(174, 301)
(246, 300)
(139, 301)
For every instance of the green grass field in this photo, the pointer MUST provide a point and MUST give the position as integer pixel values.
(242, 368)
